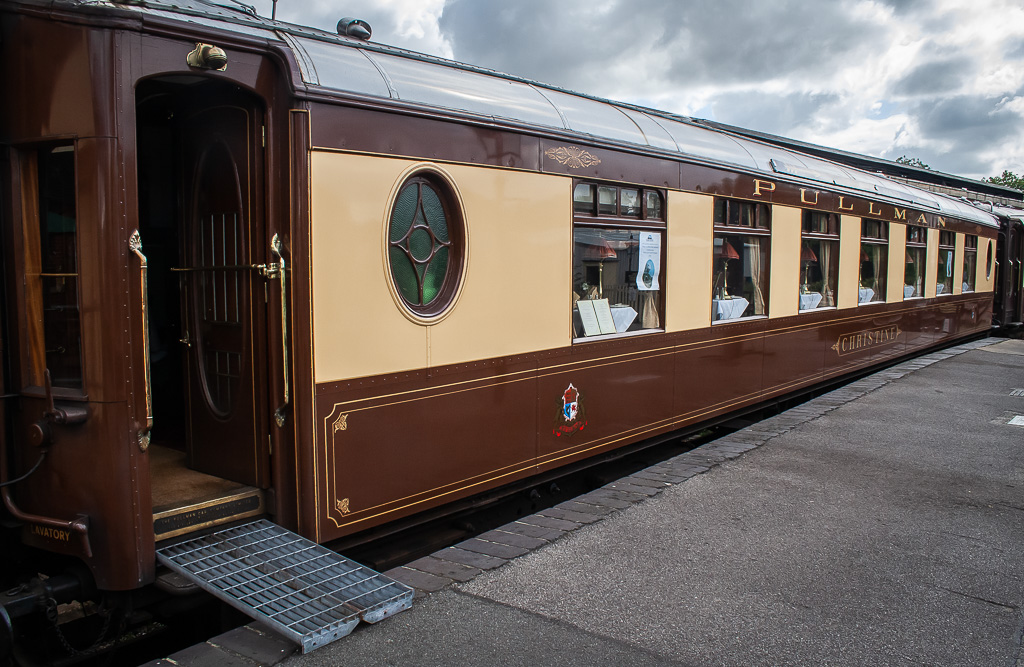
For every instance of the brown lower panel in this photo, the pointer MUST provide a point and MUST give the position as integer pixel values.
(391, 446)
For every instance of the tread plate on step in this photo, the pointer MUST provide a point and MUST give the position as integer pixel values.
(306, 592)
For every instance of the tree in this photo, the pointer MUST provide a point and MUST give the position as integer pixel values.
(912, 162)
(1009, 179)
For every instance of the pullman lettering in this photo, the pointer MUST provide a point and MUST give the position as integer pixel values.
(855, 206)
(862, 340)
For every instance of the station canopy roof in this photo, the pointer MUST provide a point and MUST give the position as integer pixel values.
(350, 67)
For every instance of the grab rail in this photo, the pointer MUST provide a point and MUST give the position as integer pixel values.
(135, 245)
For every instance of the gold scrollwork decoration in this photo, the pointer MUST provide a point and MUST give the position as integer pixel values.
(573, 157)
(342, 506)
(341, 423)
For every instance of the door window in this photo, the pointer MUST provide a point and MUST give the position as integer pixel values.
(51, 266)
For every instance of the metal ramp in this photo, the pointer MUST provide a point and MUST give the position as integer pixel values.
(302, 590)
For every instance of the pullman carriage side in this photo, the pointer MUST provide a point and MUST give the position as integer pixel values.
(624, 291)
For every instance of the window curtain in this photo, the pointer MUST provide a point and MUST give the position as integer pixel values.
(753, 250)
(649, 310)
(876, 256)
(825, 266)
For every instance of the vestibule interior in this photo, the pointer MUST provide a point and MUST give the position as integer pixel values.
(162, 211)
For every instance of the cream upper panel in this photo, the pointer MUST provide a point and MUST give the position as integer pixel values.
(689, 259)
(516, 290)
(933, 264)
(897, 263)
(986, 279)
(784, 279)
(849, 261)
(357, 328)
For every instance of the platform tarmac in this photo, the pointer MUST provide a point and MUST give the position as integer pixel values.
(879, 524)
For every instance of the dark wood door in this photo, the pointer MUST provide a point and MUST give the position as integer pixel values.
(1014, 287)
(222, 296)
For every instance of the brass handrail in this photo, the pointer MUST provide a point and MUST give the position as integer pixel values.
(275, 247)
(135, 245)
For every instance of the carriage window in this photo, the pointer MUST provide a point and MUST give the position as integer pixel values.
(988, 261)
(970, 262)
(733, 213)
(947, 248)
(740, 258)
(425, 247)
(819, 260)
(583, 198)
(51, 267)
(917, 253)
(616, 263)
(874, 257)
(616, 202)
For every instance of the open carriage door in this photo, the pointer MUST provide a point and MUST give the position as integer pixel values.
(223, 302)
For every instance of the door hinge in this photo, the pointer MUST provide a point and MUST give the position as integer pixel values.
(263, 129)
(270, 445)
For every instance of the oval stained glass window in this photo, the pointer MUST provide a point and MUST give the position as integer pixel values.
(425, 247)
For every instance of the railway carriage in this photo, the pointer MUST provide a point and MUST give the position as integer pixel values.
(253, 269)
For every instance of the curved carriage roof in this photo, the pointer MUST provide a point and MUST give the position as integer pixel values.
(1015, 214)
(346, 66)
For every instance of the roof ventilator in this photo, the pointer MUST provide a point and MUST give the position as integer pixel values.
(350, 27)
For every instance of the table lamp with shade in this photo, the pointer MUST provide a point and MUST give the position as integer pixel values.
(726, 253)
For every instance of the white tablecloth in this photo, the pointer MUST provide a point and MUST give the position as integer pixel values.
(865, 294)
(623, 316)
(908, 291)
(810, 300)
(729, 309)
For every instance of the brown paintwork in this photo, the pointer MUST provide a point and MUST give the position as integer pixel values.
(97, 468)
(299, 459)
(387, 133)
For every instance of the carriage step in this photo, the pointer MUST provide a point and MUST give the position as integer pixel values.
(304, 591)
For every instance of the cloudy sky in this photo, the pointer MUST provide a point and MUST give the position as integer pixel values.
(937, 80)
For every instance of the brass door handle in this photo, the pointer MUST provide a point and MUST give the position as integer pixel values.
(279, 270)
(135, 245)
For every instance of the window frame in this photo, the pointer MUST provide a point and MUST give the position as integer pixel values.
(29, 336)
(917, 240)
(830, 235)
(451, 286)
(989, 260)
(643, 222)
(970, 267)
(761, 218)
(761, 228)
(947, 243)
(881, 239)
(618, 219)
